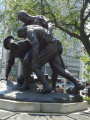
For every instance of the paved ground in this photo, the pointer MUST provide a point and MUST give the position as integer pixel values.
(7, 115)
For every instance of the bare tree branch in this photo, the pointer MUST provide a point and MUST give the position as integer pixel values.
(68, 32)
(82, 19)
(61, 28)
(83, 9)
(88, 15)
(88, 35)
(65, 30)
(69, 24)
(42, 8)
(76, 25)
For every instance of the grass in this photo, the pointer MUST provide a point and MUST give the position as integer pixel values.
(86, 98)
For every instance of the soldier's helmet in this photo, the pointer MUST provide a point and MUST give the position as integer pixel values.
(7, 41)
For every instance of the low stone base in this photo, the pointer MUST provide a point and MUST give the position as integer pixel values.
(38, 107)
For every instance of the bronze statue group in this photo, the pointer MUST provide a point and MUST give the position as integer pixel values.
(40, 48)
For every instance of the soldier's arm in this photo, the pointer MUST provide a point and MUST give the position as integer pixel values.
(35, 46)
(49, 27)
(60, 50)
(46, 22)
(49, 24)
(35, 52)
(9, 65)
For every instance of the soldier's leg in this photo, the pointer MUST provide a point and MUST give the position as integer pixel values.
(26, 70)
(53, 77)
(65, 73)
(44, 56)
(49, 52)
(20, 79)
(44, 82)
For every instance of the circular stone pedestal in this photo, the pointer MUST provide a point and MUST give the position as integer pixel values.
(30, 101)
(38, 107)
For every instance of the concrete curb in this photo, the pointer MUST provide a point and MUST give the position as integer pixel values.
(19, 106)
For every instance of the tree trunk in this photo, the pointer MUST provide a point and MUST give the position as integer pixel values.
(86, 42)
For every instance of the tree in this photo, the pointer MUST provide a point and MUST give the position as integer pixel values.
(86, 59)
(71, 16)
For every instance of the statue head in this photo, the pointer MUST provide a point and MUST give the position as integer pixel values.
(23, 16)
(22, 32)
(9, 43)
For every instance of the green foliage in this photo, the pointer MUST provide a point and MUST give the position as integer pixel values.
(65, 13)
(86, 98)
(68, 43)
(86, 60)
(10, 21)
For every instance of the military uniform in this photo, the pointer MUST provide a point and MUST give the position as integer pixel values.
(20, 52)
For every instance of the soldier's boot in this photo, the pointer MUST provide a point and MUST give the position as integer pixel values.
(79, 86)
(46, 87)
(20, 80)
(25, 85)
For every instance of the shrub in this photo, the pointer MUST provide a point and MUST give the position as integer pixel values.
(86, 98)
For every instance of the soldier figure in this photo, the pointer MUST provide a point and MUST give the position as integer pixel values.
(17, 50)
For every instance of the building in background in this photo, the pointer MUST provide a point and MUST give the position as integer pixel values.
(72, 64)
(0, 65)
